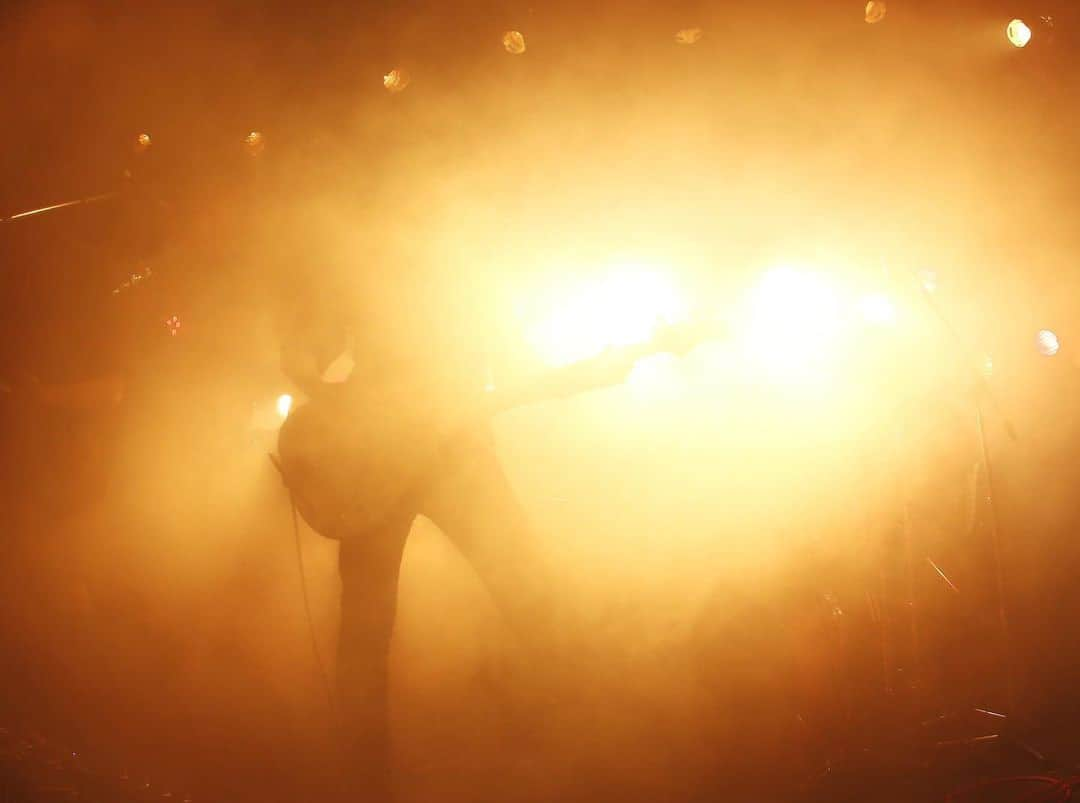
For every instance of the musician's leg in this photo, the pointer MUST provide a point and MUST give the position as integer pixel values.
(474, 504)
(369, 564)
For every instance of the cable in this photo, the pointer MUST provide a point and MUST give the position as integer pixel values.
(319, 663)
(1059, 789)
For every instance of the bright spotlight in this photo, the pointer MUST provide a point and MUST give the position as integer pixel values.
(284, 405)
(618, 310)
(1047, 343)
(878, 309)
(1018, 33)
(790, 321)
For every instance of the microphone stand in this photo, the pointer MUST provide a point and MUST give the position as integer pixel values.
(982, 398)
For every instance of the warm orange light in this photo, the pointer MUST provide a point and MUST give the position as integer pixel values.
(284, 405)
(254, 143)
(619, 309)
(514, 42)
(687, 36)
(142, 142)
(875, 11)
(395, 80)
(1018, 33)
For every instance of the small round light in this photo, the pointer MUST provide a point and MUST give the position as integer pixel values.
(1018, 33)
(254, 143)
(687, 36)
(284, 405)
(1047, 343)
(874, 11)
(142, 142)
(987, 367)
(396, 80)
(514, 42)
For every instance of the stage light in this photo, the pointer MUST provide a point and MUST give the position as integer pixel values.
(688, 36)
(254, 143)
(395, 81)
(142, 142)
(878, 309)
(1047, 343)
(622, 308)
(875, 11)
(987, 367)
(514, 42)
(789, 322)
(1018, 33)
(284, 405)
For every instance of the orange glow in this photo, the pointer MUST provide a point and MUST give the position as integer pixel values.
(254, 143)
(514, 42)
(395, 80)
(142, 142)
(875, 11)
(688, 36)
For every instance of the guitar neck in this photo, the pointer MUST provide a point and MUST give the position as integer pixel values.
(604, 370)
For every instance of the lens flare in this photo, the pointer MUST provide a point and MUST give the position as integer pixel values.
(619, 309)
(284, 405)
(1047, 343)
(790, 323)
(1018, 33)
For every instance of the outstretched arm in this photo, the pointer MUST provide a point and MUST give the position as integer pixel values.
(611, 367)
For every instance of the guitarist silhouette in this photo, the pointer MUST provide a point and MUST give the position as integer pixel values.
(395, 440)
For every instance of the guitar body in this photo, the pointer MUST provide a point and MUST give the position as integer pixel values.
(353, 456)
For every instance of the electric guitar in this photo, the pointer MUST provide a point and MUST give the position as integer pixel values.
(352, 455)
